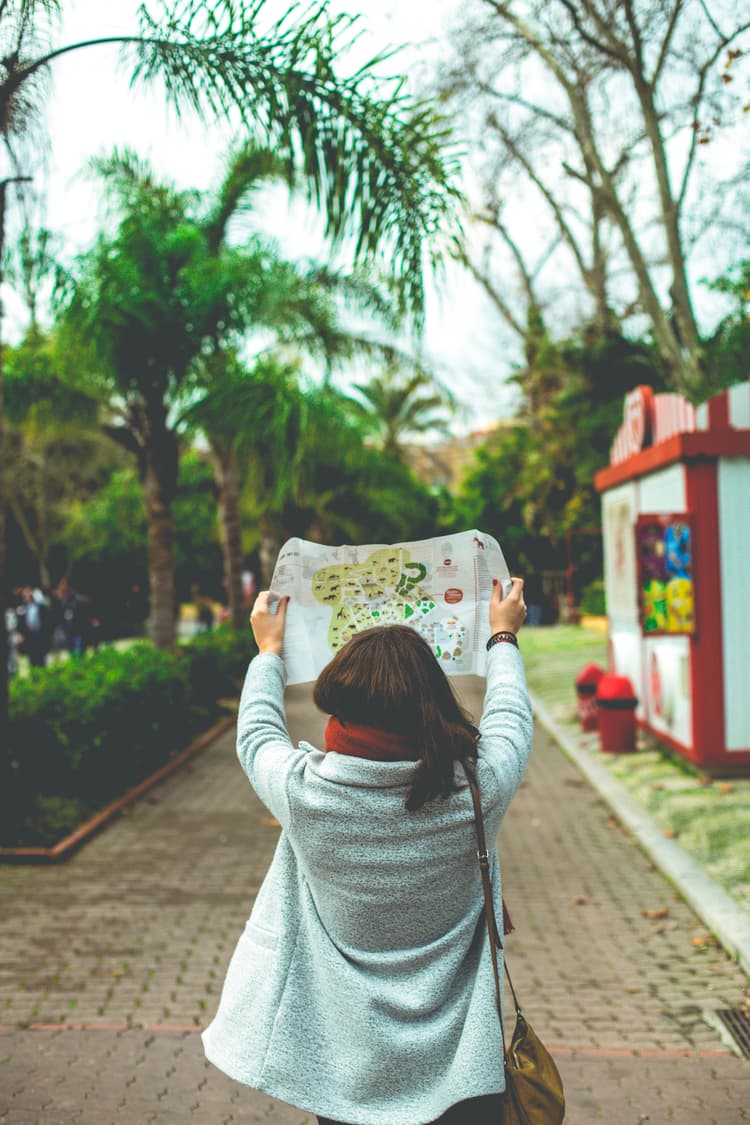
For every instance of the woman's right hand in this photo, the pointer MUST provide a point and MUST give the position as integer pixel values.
(268, 626)
(507, 614)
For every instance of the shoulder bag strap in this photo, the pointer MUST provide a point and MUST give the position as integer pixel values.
(489, 909)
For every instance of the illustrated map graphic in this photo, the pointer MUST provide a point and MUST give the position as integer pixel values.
(388, 588)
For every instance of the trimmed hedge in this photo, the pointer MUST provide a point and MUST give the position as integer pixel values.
(84, 731)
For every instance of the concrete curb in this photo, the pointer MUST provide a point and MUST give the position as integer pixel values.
(718, 910)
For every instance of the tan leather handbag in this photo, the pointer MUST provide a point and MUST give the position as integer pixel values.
(533, 1087)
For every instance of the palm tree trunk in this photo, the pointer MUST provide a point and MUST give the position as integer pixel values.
(227, 478)
(268, 551)
(5, 725)
(159, 486)
(4, 719)
(4, 739)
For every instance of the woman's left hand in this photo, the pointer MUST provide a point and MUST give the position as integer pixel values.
(268, 627)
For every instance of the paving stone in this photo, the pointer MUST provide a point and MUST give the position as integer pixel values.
(120, 954)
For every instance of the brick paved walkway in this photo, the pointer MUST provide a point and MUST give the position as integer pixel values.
(111, 962)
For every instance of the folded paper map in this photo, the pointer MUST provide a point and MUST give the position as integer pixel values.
(440, 587)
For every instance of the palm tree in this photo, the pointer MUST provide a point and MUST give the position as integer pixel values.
(55, 451)
(343, 489)
(153, 300)
(162, 302)
(372, 159)
(396, 405)
(253, 421)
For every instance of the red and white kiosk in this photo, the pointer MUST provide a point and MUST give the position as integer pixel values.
(676, 526)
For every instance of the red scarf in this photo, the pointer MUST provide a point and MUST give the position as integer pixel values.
(368, 742)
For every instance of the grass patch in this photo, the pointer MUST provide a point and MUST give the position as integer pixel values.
(554, 655)
(709, 818)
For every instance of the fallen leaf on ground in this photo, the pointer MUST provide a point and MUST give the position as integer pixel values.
(669, 833)
(703, 941)
(633, 988)
(725, 787)
(658, 929)
(656, 785)
(662, 912)
(579, 900)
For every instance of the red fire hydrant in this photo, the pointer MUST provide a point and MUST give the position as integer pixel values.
(616, 702)
(587, 682)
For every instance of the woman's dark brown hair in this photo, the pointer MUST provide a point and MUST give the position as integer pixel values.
(388, 677)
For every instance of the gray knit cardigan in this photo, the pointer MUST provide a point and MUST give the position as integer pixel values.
(361, 988)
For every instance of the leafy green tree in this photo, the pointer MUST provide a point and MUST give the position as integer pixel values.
(371, 158)
(491, 496)
(164, 302)
(344, 489)
(105, 542)
(532, 483)
(397, 405)
(56, 453)
(253, 421)
(728, 350)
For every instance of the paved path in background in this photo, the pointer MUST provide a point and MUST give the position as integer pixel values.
(112, 962)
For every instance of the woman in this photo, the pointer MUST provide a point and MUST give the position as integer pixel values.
(362, 988)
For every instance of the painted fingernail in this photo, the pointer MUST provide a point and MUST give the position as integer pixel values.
(494, 581)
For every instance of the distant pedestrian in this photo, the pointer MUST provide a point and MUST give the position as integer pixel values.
(534, 594)
(361, 989)
(14, 638)
(34, 616)
(136, 610)
(75, 616)
(206, 614)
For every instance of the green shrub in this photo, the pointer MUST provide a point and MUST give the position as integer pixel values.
(593, 599)
(91, 727)
(216, 662)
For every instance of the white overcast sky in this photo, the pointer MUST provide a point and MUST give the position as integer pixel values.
(91, 110)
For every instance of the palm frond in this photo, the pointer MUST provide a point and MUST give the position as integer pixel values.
(248, 169)
(25, 30)
(374, 160)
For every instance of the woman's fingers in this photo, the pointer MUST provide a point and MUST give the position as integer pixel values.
(261, 604)
(268, 621)
(509, 612)
(515, 592)
(281, 609)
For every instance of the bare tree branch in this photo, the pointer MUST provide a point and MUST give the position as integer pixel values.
(547, 195)
(499, 302)
(697, 100)
(712, 21)
(536, 110)
(635, 32)
(612, 47)
(666, 41)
